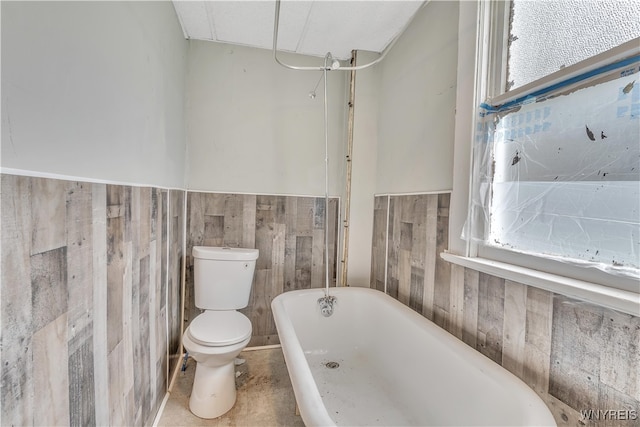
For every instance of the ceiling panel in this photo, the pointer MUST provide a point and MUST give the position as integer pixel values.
(194, 20)
(312, 27)
(340, 26)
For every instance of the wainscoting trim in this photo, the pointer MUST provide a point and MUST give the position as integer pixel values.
(75, 178)
(414, 193)
(617, 299)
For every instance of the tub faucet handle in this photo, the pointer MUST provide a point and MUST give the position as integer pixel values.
(326, 304)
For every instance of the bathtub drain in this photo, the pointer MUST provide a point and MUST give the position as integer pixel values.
(332, 365)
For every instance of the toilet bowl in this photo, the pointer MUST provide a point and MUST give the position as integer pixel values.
(222, 284)
(214, 339)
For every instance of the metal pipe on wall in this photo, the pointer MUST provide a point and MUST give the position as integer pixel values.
(349, 158)
(327, 59)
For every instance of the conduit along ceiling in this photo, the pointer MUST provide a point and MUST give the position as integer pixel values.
(310, 27)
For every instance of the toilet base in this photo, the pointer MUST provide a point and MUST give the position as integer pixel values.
(214, 390)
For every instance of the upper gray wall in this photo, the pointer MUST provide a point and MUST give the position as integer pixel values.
(252, 128)
(94, 90)
(417, 100)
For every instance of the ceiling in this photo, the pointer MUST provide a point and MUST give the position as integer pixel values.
(310, 27)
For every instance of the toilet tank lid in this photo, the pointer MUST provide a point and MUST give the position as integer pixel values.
(225, 253)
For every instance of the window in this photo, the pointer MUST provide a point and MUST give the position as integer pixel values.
(546, 36)
(556, 171)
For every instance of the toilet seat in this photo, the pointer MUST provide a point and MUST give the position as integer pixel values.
(219, 328)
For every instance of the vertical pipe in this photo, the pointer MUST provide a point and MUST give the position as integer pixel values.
(166, 287)
(347, 204)
(326, 178)
(386, 243)
(183, 267)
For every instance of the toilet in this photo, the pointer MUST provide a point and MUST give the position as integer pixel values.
(222, 284)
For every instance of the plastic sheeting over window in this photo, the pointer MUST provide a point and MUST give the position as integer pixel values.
(558, 175)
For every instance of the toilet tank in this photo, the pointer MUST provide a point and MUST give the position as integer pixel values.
(222, 277)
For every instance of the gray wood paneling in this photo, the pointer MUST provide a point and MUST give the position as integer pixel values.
(49, 289)
(538, 322)
(174, 266)
(48, 213)
(116, 263)
(379, 244)
(81, 379)
(416, 234)
(470, 316)
(287, 230)
(82, 303)
(514, 330)
(490, 316)
(442, 273)
(16, 306)
(51, 373)
(80, 250)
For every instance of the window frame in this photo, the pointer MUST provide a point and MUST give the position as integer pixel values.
(492, 27)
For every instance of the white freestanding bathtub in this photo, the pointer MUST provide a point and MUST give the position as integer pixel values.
(394, 367)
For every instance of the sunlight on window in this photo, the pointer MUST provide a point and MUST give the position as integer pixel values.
(547, 36)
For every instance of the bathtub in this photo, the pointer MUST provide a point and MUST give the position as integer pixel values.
(377, 362)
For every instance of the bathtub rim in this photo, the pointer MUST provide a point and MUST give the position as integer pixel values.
(306, 397)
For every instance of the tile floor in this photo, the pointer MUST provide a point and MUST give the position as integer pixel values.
(265, 396)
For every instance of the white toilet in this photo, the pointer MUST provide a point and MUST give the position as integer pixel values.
(222, 284)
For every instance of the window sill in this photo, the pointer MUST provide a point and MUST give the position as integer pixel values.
(621, 300)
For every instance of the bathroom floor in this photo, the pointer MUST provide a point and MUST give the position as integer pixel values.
(265, 396)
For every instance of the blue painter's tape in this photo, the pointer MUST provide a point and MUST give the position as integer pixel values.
(533, 96)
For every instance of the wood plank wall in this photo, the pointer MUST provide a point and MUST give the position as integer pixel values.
(577, 356)
(417, 231)
(287, 230)
(175, 262)
(379, 244)
(84, 338)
